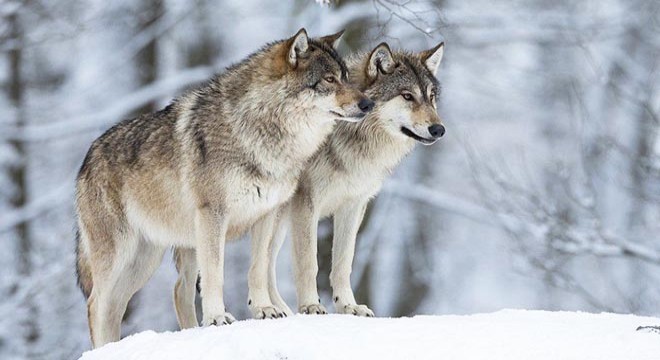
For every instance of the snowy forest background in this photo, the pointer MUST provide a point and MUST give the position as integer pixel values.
(544, 194)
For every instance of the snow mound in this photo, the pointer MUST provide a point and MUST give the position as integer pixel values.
(507, 334)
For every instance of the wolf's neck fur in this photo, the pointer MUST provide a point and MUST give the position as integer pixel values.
(367, 146)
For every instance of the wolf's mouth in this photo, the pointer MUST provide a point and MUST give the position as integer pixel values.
(411, 134)
(350, 118)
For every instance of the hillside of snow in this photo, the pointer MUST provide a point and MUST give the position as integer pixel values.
(506, 335)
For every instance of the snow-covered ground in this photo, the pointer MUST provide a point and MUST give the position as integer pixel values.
(507, 334)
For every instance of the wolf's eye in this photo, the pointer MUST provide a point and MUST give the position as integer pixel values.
(329, 79)
(408, 96)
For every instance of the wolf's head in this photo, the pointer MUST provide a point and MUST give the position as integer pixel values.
(405, 90)
(320, 78)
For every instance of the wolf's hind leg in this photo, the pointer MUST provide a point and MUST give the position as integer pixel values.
(132, 264)
(186, 287)
(280, 235)
(346, 225)
(259, 300)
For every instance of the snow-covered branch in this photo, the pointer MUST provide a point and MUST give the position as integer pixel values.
(36, 207)
(113, 112)
(573, 241)
(610, 246)
(440, 200)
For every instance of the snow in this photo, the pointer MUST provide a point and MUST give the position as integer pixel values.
(507, 334)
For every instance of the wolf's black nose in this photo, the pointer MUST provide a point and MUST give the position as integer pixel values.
(436, 130)
(366, 105)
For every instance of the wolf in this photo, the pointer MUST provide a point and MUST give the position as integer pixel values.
(353, 162)
(346, 172)
(204, 170)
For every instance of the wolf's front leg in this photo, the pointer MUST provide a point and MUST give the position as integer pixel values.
(346, 224)
(281, 229)
(304, 222)
(211, 231)
(259, 300)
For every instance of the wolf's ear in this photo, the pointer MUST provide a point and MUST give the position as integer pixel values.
(298, 45)
(380, 61)
(333, 40)
(431, 58)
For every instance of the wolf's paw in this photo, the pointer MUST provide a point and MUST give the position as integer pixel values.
(312, 309)
(354, 309)
(284, 308)
(221, 319)
(267, 312)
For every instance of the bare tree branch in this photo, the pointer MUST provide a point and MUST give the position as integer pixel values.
(113, 112)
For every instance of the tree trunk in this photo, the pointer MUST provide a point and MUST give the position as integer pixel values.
(18, 171)
(147, 58)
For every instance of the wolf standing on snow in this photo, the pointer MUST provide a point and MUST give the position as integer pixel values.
(349, 168)
(202, 171)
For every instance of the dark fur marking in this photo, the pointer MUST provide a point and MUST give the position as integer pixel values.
(421, 75)
(333, 157)
(333, 53)
(137, 136)
(253, 169)
(197, 132)
(418, 77)
(198, 135)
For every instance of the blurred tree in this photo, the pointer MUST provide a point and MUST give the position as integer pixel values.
(205, 48)
(149, 13)
(18, 171)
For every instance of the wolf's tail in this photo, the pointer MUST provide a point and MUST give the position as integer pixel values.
(83, 271)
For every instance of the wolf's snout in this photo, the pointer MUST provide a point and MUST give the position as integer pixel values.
(366, 105)
(436, 130)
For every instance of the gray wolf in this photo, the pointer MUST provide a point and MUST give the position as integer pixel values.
(348, 170)
(351, 165)
(204, 170)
